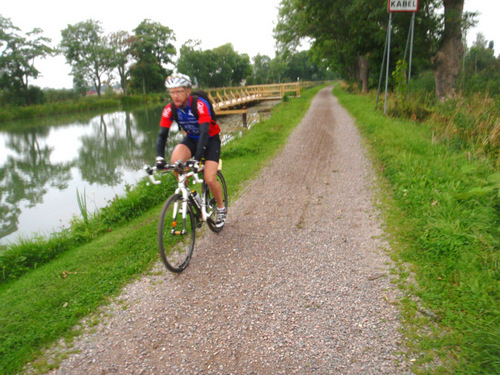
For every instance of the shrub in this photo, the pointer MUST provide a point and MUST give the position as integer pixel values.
(60, 95)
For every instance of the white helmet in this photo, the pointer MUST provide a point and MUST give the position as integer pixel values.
(178, 80)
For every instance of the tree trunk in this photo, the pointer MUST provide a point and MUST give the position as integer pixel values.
(26, 91)
(362, 68)
(123, 84)
(447, 59)
(123, 79)
(97, 84)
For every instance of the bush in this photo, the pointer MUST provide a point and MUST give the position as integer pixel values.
(60, 95)
(485, 82)
(423, 87)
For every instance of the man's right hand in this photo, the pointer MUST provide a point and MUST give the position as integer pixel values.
(160, 163)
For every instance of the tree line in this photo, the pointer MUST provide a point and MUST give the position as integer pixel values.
(137, 62)
(347, 41)
(349, 37)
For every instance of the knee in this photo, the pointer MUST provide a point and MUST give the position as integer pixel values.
(210, 180)
(181, 152)
(175, 156)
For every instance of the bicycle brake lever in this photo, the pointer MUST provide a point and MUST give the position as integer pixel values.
(148, 169)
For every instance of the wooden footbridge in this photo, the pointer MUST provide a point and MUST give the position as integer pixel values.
(235, 100)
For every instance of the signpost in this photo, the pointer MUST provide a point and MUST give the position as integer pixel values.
(397, 6)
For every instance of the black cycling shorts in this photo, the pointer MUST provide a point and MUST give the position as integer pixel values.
(212, 152)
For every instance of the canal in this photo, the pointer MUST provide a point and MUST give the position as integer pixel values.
(44, 166)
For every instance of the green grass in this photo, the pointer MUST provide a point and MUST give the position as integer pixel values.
(442, 213)
(28, 254)
(47, 301)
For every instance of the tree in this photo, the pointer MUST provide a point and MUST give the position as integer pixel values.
(196, 63)
(17, 59)
(121, 42)
(152, 49)
(350, 36)
(479, 57)
(231, 67)
(87, 51)
(342, 33)
(219, 67)
(261, 70)
(481, 69)
(451, 49)
(277, 69)
(301, 67)
(242, 69)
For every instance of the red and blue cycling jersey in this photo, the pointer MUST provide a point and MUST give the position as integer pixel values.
(187, 121)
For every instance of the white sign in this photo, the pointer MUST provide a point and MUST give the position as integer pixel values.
(403, 5)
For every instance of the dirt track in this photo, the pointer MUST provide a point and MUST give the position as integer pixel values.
(296, 283)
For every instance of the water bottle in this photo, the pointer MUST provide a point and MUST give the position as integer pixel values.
(197, 197)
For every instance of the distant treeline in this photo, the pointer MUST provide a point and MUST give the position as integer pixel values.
(133, 63)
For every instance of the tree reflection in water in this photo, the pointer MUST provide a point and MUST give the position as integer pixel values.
(45, 160)
(42, 166)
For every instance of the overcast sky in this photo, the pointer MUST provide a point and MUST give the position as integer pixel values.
(248, 26)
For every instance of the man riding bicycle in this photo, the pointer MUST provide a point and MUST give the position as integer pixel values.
(202, 136)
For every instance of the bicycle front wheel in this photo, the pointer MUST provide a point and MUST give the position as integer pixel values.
(176, 233)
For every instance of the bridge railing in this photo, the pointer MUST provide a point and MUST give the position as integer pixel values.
(225, 99)
(278, 90)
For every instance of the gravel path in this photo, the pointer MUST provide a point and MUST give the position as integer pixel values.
(297, 283)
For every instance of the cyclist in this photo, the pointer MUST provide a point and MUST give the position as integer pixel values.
(201, 140)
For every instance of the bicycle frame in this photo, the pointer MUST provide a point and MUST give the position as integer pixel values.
(186, 193)
(183, 189)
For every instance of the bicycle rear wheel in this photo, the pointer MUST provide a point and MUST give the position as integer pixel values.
(176, 233)
(212, 203)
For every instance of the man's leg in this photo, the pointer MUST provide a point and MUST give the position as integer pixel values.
(181, 152)
(210, 177)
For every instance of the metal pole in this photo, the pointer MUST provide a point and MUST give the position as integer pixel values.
(411, 55)
(407, 42)
(382, 69)
(388, 58)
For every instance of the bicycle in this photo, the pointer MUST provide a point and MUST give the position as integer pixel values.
(184, 212)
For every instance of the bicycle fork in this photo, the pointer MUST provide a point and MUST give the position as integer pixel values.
(173, 231)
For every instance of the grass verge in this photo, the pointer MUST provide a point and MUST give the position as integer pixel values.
(44, 304)
(442, 214)
(85, 104)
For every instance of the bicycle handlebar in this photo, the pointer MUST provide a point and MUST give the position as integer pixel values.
(150, 170)
(178, 167)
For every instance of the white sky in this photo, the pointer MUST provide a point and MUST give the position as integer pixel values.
(248, 26)
(488, 21)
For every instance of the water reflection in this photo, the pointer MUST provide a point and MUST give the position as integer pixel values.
(26, 174)
(41, 167)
